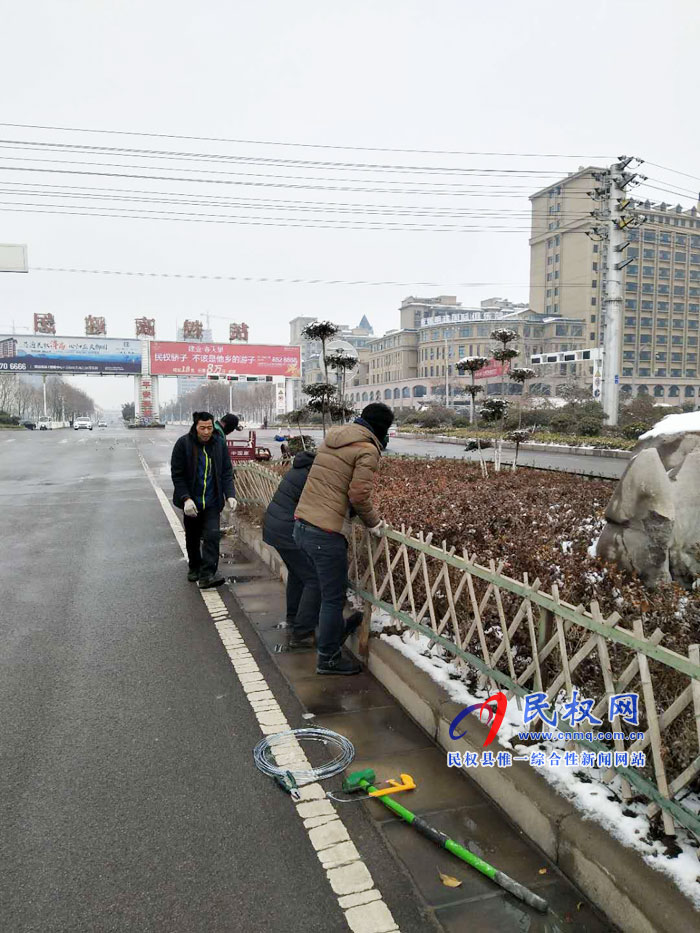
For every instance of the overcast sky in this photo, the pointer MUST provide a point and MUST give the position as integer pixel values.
(583, 81)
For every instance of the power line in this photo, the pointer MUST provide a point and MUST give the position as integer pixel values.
(274, 280)
(328, 225)
(316, 207)
(164, 155)
(259, 142)
(223, 181)
(665, 168)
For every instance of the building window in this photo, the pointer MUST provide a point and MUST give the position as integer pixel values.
(594, 302)
(660, 339)
(649, 236)
(690, 373)
(662, 306)
(631, 322)
(644, 355)
(631, 304)
(678, 290)
(633, 269)
(644, 371)
(690, 391)
(660, 371)
(593, 319)
(630, 338)
(676, 373)
(664, 238)
(634, 286)
(594, 283)
(648, 254)
(644, 338)
(665, 255)
(627, 371)
(644, 322)
(659, 391)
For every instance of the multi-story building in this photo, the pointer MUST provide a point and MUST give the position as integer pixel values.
(417, 363)
(661, 287)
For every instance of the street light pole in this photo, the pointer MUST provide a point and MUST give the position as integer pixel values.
(447, 378)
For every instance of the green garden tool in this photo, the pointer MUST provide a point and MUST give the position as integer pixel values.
(364, 780)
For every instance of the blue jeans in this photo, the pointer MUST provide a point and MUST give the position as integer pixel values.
(328, 552)
(303, 594)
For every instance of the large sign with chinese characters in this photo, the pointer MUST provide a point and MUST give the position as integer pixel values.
(493, 368)
(201, 359)
(48, 354)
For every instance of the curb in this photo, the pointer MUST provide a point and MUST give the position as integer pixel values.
(632, 894)
(605, 452)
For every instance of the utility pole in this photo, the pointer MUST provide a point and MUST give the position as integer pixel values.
(618, 213)
(43, 382)
(447, 377)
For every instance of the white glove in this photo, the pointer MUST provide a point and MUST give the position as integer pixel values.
(378, 529)
(232, 504)
(190, 508)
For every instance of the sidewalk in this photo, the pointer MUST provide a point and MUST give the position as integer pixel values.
(386, 739)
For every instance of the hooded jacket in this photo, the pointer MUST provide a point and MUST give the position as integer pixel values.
(342, 477)
(278, 524)
(184, 468)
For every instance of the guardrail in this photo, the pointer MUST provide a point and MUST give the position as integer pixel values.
(513, 636)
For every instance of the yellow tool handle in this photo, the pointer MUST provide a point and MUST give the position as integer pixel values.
(406, 783)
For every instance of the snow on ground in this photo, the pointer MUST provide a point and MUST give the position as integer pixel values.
(599, 801)
(675, 424)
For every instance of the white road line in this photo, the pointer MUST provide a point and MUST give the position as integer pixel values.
(365, 910)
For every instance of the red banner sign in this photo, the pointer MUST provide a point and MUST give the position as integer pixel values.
(492, 368)
(199, 359)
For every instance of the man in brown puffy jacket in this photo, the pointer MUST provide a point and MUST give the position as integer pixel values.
(340, 484)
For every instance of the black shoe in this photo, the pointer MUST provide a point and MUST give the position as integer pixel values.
(301, 642)
(337, 663)
(206, 583)
(352, 623)
(193, 575)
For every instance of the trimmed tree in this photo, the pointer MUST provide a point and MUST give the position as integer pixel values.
(341, 363)
(322, 331)
(521, 374)
(472, 365)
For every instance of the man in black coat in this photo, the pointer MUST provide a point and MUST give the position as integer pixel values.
(303, 593)
(202, 476)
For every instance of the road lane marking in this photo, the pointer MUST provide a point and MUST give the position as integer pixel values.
(361, 902)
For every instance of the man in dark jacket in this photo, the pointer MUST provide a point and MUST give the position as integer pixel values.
(303, 591)
(203, 482)
(226, 424)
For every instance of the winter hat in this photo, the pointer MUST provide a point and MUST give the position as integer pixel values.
(379, 417)
(229, 422)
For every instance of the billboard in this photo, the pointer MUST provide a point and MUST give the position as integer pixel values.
(492, 368)
(48, 354)
(200, 359)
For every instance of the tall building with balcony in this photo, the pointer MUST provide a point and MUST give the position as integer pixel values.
(661, 287)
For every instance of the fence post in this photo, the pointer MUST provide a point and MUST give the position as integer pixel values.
(545, 627)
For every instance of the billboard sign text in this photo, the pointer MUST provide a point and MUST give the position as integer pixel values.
(49, 354)
(202, 359)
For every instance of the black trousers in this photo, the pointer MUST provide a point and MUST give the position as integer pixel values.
(202, 537)
(303, 591)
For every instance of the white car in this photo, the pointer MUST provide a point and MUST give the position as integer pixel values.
(44, 424)
(82, 423)
(101, 424)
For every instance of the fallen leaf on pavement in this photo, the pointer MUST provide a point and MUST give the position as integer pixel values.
(449, 881)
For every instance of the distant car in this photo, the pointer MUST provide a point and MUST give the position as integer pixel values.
(82, 423)
(44, 424)
(101, 424)
(29, 425)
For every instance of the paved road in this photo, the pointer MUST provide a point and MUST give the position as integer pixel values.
(129, 800)
(596, 466)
